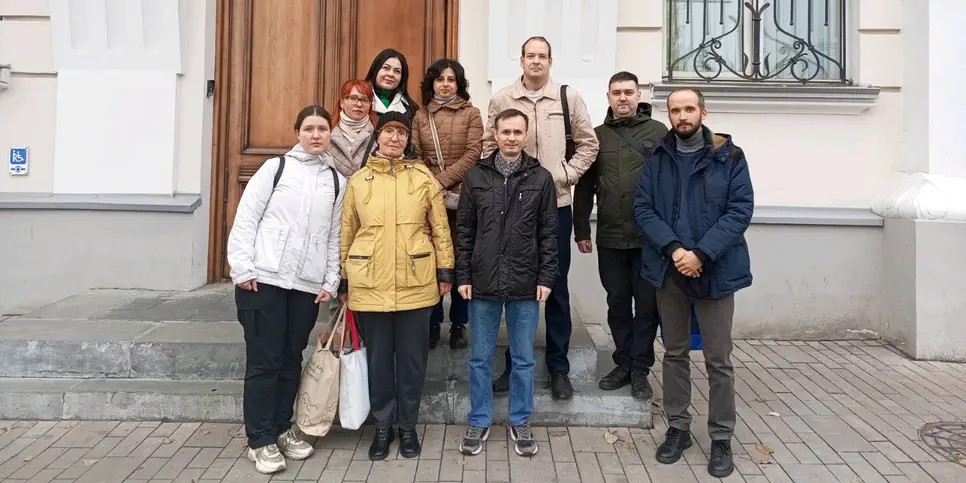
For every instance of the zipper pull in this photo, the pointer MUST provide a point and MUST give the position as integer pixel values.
(412, 263)
(521, 197)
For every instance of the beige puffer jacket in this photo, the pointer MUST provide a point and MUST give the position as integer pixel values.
(460, 129)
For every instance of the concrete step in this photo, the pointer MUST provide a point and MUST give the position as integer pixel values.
(183, 350)
(165, 400)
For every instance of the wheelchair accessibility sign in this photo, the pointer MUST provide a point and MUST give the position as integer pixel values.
(19, 158)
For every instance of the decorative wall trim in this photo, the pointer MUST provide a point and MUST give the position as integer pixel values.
(808, 215)
(179, 203)
(751, 98)
(5, 71)
(923, 196)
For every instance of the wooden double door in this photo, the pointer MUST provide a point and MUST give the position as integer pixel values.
(275, 57)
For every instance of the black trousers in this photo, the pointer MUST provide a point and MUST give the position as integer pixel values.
(277, 325)
(397, 346)
(631, 307)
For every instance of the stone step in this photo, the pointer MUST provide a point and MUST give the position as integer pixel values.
(180, 350)
(166, 400)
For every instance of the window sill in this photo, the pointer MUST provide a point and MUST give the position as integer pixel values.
(776, 98)
(179, 203)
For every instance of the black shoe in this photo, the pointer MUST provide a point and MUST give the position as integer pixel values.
(433, 335)
(640, 388)
(457, 337)
(675, 442)
(560, 387)
(616, 379)
(502, 384)
(721, 463)
(408, 443)
(380, 444)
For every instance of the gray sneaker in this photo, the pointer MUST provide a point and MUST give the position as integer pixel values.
(267, 459)
(293, 447)
(522, 436)
(473, 440)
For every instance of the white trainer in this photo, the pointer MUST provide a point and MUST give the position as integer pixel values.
(293, 447)
(267, 459)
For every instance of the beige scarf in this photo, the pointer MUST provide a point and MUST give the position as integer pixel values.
(351, 128)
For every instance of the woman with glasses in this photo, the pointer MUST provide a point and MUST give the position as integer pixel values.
(448, 136)
(354, 124)
(394, 273)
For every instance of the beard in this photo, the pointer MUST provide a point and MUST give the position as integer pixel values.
(686, 131)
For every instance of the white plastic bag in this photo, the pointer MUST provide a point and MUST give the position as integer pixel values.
(353, 378)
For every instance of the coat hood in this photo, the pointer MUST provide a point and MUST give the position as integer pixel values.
(643, 115)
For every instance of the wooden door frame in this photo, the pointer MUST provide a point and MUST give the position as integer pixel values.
(443, 15)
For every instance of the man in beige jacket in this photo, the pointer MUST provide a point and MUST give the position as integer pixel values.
(539, 97)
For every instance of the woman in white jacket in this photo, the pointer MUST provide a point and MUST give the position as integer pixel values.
(284, 254)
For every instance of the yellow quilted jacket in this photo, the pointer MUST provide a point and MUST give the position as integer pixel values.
(389, 261)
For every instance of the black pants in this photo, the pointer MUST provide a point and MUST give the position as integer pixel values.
(397, 346)
(631, 307)
(557, 308)
(277, 325)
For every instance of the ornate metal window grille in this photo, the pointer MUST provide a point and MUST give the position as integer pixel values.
(756, 40)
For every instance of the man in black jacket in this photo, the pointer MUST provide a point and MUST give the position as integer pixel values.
(626, 137)
(506, 256)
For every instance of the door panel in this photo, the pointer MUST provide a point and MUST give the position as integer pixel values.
(277, 56)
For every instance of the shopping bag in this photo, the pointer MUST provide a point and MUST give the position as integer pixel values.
(318, 397)
(354, 380)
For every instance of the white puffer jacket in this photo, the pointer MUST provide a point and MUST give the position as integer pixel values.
(289, 237)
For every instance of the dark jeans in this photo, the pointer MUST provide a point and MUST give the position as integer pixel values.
(277, 324)
(458, 311)
(631, 307)
(397, 346)
(715, 316)
(557, 309)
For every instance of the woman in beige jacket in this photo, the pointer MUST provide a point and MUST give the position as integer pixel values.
(459, 131)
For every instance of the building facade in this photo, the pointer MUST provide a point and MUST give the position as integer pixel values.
(144, 119)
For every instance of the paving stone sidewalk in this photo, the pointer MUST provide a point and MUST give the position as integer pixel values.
(820, 412)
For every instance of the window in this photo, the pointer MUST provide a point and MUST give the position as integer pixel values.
(785, 41)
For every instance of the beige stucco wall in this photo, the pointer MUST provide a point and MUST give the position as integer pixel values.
(826, 160)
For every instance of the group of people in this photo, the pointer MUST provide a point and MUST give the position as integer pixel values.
(389, 205)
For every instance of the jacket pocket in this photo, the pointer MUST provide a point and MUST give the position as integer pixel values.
(316, 258)
(269, 244)
(422, 265)
(359, 266)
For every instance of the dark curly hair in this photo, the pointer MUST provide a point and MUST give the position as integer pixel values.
(434, 71)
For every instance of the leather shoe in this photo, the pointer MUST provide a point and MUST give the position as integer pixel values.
(457, 337)
(560, 387)
(408, 443)
(615, 379)
(640, 387)
(721, 463)
(675, 442)
(379, 450)
(502, 384)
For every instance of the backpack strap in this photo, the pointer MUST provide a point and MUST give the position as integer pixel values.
(568, 132)
(335, 182)
(278, 172)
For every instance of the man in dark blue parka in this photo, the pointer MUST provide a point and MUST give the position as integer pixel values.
(694, 202)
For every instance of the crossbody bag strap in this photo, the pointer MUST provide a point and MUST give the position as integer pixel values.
(571, 148)
(439, 150)
(637, 148)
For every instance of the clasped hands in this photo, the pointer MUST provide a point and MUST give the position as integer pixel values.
(686, 262)
(543, 293)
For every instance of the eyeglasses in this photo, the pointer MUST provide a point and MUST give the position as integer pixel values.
(358, 100)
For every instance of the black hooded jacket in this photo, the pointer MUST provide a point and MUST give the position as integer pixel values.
(506, 231)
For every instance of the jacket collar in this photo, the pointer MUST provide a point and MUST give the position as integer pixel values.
(455, 104)
(381, 164)
(550, 91)
(340, 142)
(527, 162)
(720, 144)
(643, 114)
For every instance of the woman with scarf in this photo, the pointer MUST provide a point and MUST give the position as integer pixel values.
(459, 137)
(283, 250)
(389, 77)
(394, 273)
(354, 124)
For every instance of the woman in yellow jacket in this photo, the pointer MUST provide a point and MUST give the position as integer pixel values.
(395, 272)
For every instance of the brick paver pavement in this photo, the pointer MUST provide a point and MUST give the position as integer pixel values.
(845, 411)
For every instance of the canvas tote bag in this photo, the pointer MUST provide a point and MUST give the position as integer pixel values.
(318, 398)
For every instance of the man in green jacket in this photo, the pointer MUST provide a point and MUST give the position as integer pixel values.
(625, 138)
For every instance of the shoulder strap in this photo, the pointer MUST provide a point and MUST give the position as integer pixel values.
(335, 182)
(642, 152)
(571, 148)
(439, 150)
(278, 172)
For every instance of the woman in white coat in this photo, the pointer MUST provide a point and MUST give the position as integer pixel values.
(284, 253)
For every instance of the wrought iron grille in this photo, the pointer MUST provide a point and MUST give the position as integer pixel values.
(756, 40)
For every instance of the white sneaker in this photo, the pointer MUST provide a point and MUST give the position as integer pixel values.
(267, 459)
(293, 447)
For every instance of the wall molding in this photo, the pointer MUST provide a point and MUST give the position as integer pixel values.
(808, 215)
(760, 98)
(179, 203)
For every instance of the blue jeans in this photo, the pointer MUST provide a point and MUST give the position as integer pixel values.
(521, 323)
